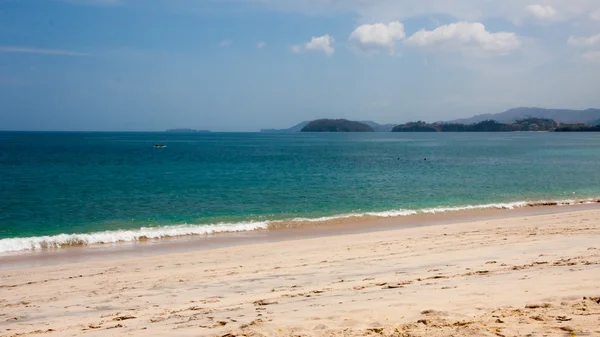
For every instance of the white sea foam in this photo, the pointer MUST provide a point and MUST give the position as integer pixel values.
(65, 240)
(511, 205)
(392, 214)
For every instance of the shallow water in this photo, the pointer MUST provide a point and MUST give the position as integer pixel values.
(118, 187)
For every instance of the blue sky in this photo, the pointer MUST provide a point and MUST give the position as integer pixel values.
(242, 65)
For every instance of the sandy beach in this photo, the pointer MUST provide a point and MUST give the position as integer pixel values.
(521, 276)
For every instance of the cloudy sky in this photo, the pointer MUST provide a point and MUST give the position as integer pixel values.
(242, 65)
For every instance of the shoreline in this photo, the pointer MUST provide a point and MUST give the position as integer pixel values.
(512, 275)
(302, 230)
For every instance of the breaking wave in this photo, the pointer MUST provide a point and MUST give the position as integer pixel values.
(153, 233)
(144, 233)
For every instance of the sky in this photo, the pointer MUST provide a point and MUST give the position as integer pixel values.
(243, 65)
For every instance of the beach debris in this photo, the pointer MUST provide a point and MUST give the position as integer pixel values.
(563, 318)
(123, 318)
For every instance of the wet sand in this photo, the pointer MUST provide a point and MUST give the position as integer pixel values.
(502, 273)
(334, 227)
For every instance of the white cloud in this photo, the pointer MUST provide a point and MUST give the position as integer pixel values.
(466, 37)
(584, 41)
(296, 48)
(595, 15)
(323, 44)
(32, 50)
(225, 43)
(260, 45)
(592, 56)
(373, 37)
(542, 12)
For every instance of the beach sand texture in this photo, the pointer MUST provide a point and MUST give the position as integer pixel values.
(536, 276)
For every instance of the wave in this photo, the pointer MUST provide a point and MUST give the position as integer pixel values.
(144, 233)
(152, 233)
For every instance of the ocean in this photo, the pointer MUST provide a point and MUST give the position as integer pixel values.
(71, 189)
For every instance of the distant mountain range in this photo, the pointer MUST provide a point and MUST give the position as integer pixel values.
(564, 116)
(589, 116)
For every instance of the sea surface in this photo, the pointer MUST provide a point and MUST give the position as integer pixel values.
(71, 189)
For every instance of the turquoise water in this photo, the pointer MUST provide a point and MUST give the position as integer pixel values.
(117, 183)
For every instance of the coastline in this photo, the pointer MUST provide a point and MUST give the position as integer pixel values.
(174, 231)
(285, 231)
(503, 276)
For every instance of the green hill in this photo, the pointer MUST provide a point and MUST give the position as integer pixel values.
(336, 125)
(527, 124)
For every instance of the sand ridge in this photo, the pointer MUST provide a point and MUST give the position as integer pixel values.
(534, 276)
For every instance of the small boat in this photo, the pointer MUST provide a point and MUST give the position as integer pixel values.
(159, 146)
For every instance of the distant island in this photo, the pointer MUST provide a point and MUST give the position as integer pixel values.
(298, 127)
(517, 119)
(528, 124)
(186, 131)
(336, 125)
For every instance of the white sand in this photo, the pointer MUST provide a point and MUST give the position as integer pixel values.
(469, 279)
